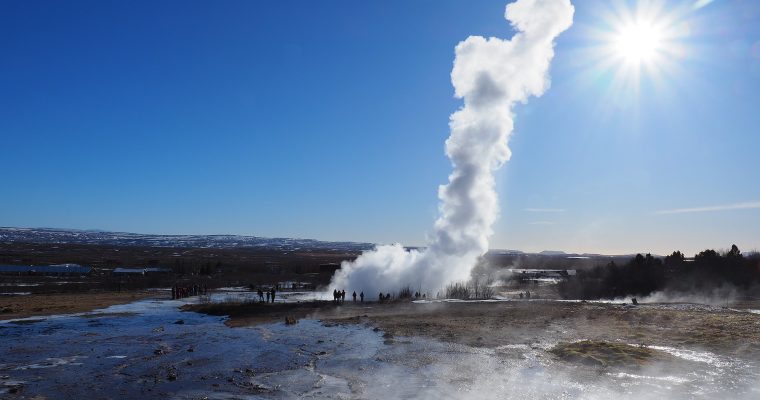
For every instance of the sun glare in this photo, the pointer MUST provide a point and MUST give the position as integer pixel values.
(638, 43)
(637, 47)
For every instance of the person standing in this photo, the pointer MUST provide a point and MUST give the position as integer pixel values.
(273, 292)
(361, 297)
(354, 295)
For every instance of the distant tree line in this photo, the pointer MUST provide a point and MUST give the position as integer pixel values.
(195, 268)
(645, 274)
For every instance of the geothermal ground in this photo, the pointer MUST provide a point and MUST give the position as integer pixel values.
(533, 349)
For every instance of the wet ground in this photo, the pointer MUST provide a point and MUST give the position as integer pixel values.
(151, 349)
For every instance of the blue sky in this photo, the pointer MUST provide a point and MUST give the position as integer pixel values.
(327, 120)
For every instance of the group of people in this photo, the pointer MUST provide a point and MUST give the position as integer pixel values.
(270, 295)
(526, 295)
(339, 296)
(180, 292)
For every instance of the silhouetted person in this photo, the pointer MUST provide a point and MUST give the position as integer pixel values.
(354, 295)
(527, 293)
(380, 297)
(268, 296)
(261, 295)
(361, 297)
(343, 295)
(273, 293)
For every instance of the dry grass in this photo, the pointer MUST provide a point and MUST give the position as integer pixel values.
(65, 303)
(606, 354)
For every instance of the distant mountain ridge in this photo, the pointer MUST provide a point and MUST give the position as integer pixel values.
(98, 237)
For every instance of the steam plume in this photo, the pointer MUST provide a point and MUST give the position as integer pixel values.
(491, 75)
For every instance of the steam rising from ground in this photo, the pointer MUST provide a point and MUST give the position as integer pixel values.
(491, 75)
(718, 296)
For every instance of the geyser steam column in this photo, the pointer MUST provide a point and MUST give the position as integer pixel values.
(491, 75)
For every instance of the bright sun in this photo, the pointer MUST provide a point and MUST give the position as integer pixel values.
(637, 46)
(638, 43)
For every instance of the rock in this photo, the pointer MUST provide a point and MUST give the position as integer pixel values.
(179, 322)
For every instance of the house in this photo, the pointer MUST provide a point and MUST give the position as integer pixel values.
(140, 271)
(128, 271)
(156, 271)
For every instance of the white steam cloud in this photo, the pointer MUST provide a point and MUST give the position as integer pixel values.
(491, 75)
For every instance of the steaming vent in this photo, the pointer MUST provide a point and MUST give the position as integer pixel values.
(490, 75)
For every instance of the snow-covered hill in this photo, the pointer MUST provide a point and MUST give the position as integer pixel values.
(71, 236)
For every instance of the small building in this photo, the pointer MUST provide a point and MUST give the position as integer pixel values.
(140, 271)
(156, 271)
(530, 274)
(128, 271)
